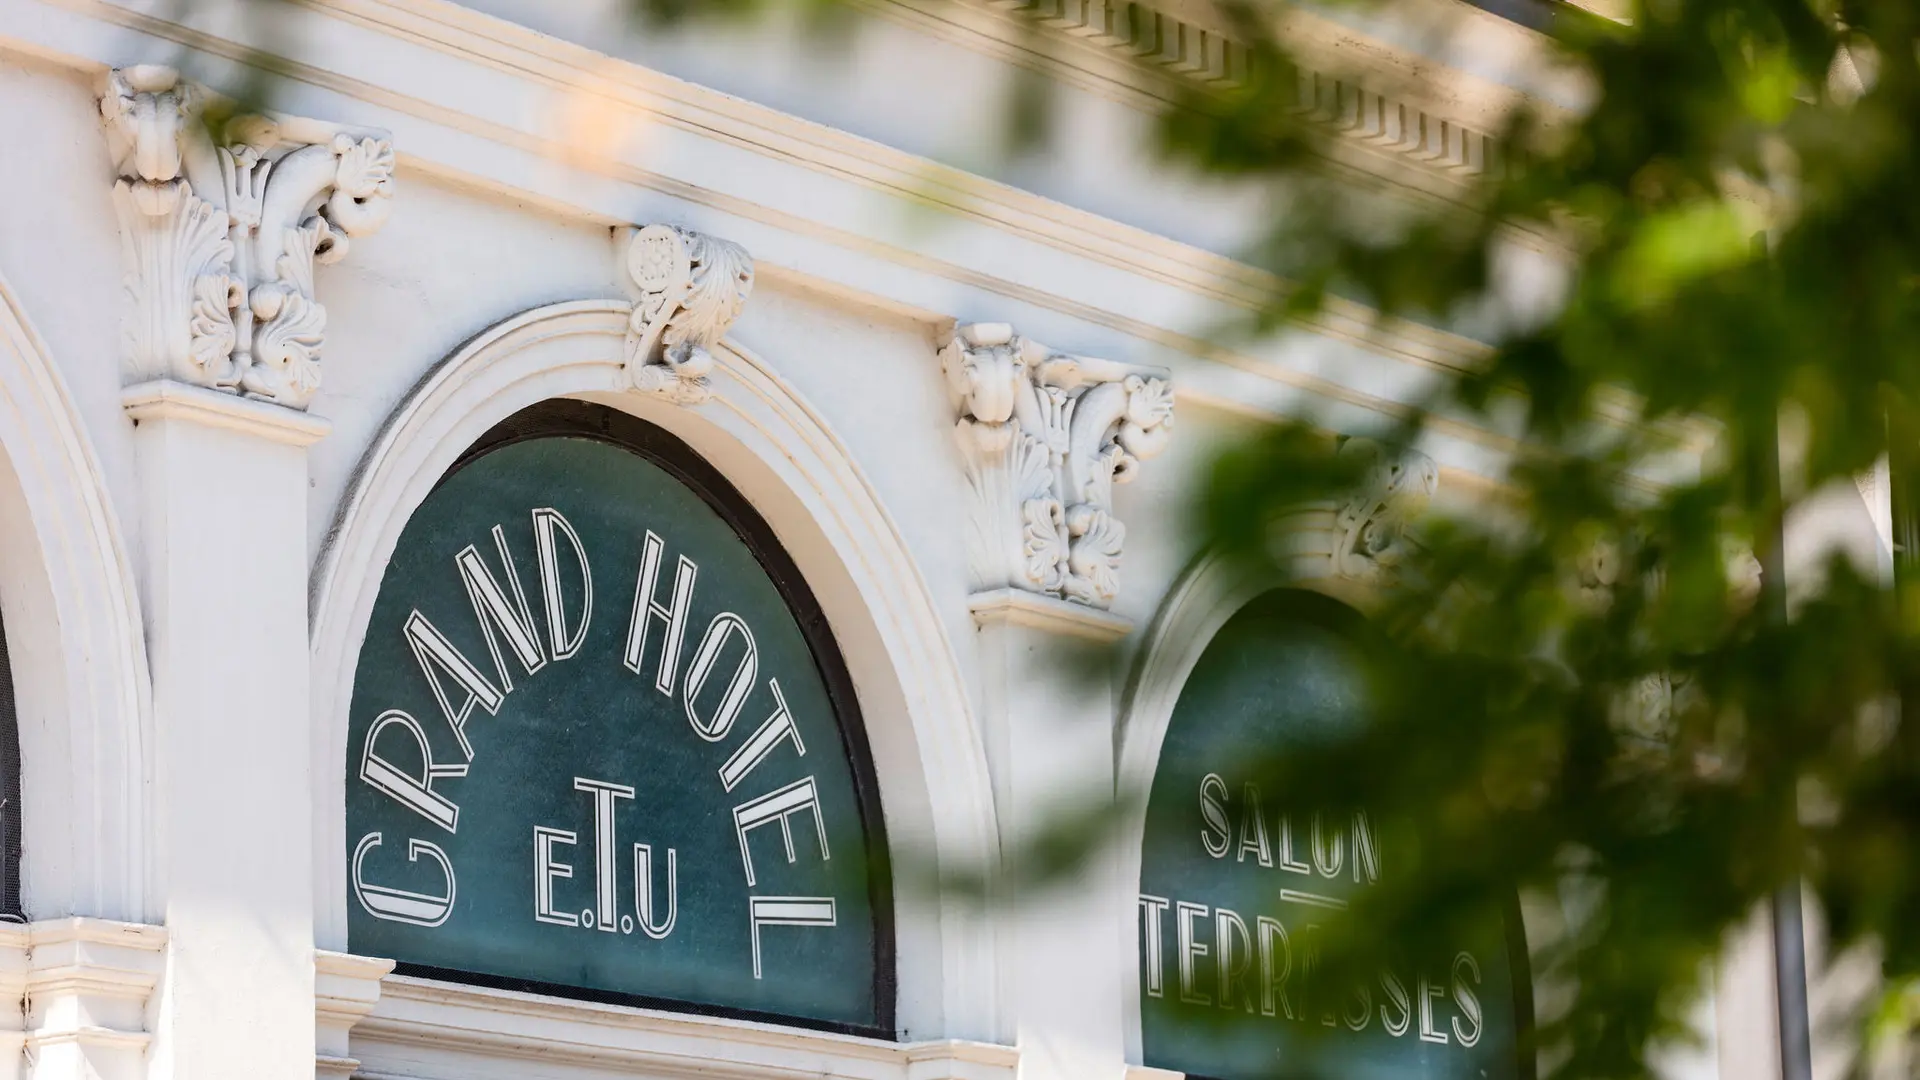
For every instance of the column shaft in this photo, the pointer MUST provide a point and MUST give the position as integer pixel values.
(1049, 728)
(223, 486)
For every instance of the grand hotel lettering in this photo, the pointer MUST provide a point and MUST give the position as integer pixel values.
(596, 816)
(459, 685)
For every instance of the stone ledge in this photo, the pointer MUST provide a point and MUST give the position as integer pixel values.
(417, 1017)
(345, 990)
(167, 399)
(1017, 607)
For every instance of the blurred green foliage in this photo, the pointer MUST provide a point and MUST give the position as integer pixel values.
(1580, 697)
(1580, 694)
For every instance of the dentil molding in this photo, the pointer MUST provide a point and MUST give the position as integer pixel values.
(222, 230)
(1186, 43)
(688, 289)
(1045, 436)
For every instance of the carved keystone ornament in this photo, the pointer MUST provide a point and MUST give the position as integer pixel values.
(1045, 437)
(221, 237)
(689, 287)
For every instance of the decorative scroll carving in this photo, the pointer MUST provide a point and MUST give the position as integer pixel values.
(222, 233)
(1370, 528)
(689, 289)
(1045, 437)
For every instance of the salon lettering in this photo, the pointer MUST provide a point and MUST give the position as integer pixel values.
(1263, 961)
(1241, 884)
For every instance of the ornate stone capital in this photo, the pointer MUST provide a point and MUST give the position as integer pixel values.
(222, 230)
(688, 289)
(1370, 528)
(1045, 437)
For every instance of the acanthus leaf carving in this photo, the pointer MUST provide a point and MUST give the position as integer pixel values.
(1044, 544)
(221, 235)
(689, 288)
(1093, 557)
(1371, 537)
(1045, 436)
(210, 332)
(286, 352)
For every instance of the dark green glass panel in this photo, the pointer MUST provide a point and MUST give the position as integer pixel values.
(1235, 882)
(583, 759)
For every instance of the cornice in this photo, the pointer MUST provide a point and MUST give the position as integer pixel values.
(90, 957)
(351, 967)
(346, 987)
(1390, 108)
(651, 97)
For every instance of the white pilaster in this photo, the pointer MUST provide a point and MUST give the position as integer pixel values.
(223, 484)
(1044, 437)
(1048, 723)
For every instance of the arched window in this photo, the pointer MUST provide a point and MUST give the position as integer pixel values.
(1237, 879)
(603, 745)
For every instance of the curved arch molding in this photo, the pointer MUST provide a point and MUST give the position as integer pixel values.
(79, 652)
(754, 428)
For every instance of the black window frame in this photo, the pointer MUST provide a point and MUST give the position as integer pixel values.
(11, 907)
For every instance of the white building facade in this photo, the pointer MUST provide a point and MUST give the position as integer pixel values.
(525, 379)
